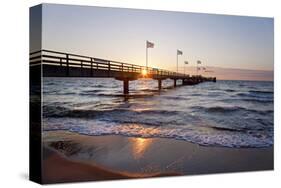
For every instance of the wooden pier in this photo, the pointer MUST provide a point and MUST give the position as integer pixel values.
(58, 64)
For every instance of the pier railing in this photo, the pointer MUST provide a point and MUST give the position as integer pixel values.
(54, 58)
(49, 63)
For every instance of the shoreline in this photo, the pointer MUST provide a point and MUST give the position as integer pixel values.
(71, 157)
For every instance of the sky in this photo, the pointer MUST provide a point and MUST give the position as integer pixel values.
(220, 42)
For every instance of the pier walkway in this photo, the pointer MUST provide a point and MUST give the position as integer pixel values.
(60, 64)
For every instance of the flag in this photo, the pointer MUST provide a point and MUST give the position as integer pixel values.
(179, 52)
(149, 44)
(198, 62)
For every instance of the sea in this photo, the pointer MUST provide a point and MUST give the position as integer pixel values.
(235, 114)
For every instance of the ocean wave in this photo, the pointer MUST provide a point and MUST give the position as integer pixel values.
(92, 92)
(258, 100)
(229, 90)
(149, 90)
(261, 92)
(255, 95)
(218, 109)
(67, 93)
(222, 137)
(58, 111)
(94, 85)
(224, 109)
(100, 93)
(61, 93)
(195, 94)
(175, 98)
(132, 95)
(235, 129)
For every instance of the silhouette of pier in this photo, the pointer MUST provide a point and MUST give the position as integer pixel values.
(59, 64)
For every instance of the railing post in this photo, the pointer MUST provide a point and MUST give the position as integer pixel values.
(67, 65)
(109, 68)
(91, 66)
(81, 70)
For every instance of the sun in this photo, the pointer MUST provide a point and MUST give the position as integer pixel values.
(144, 72)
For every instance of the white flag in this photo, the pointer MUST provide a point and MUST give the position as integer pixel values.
(179, 52)
(149, 44)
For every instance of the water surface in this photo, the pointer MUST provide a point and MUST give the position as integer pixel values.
(225, 113)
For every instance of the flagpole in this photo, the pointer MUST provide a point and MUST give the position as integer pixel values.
(185, 63)
(197, 69)
(146, 56)
(177, 61)
(184, 67)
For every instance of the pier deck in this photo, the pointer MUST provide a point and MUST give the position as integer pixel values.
(59, 64)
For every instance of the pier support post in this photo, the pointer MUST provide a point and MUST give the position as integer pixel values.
(125, 81)
(125, 86)
(159, 84)
(175, 82)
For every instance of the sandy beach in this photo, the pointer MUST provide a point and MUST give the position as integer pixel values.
(74, 157)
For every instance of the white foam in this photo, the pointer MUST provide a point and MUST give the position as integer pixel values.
(204, 136)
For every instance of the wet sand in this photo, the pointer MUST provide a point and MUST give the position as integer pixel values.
(59, 169)
(70, 157)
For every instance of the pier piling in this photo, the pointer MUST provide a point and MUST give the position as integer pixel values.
(159, 84)
(175, 82)
(125, 86)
